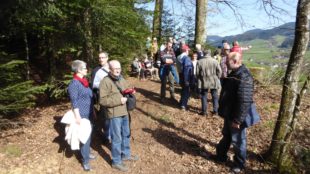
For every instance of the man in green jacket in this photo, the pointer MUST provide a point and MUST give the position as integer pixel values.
(112, 98)
(208, 74)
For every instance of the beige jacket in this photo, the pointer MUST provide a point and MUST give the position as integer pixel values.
(208, 73)
(110, 97)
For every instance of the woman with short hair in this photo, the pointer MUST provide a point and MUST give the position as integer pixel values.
(82, 104)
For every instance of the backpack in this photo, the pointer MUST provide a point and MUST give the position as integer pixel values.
(131, 98)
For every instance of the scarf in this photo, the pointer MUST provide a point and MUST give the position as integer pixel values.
(82, 80)
(115, 78)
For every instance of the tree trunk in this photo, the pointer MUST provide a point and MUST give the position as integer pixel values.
(51, 57)
(87, 32)
(288, 113)
(157, 19)
(201, 19)
(27, 55)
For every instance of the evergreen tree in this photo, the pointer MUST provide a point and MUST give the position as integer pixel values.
(16, 93)
(189, 30)
(168, 24)
(51, 33)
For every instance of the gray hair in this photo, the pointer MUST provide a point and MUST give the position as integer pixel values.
(77, 65)
(208, 52)
(114, 63)
(198, 46)
(105, 53)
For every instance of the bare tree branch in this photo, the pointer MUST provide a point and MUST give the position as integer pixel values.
(233, 7)
(272, 10)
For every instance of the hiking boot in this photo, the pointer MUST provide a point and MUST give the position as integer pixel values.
(92, 156)
(120, 167)
(86, 167)
(236, 170)
(203, 114)
(162, 100)
(183, 108)
(214, 113)
(217, 159)
(131, 158)
(172, 97)
(106, 141)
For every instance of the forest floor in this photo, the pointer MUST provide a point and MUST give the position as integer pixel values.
(167, 139)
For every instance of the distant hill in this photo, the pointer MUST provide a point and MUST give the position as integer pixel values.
(287, 30)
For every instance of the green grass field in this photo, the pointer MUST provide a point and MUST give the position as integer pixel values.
(263, 53)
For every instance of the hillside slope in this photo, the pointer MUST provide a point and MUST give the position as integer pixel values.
(166, 139)
(287, 30)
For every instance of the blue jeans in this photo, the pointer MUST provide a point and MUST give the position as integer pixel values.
(163, 85)
(103, 122)
(185, 93)
(166, 69)
(236, 137)
(120, 136)
(204, 100)
(106, 128)
(85, 151)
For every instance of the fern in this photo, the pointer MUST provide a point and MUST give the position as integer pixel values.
(58, 89)
(15, 93)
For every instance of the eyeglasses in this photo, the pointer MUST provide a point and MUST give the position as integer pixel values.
(102, 57)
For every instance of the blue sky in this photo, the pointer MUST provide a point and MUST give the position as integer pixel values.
(223, 22)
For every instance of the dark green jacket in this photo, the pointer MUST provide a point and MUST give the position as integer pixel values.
(110, 96)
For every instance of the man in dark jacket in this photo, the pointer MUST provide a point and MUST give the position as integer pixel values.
(186, 77)
(235, 100)
(201, 54)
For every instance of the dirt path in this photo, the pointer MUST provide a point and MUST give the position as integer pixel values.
(166, 139)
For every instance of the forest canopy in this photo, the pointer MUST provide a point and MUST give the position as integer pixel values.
(48, 34)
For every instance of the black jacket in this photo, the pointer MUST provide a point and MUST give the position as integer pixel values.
(236, 95)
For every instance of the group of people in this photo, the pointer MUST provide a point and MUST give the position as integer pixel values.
(144, 67)
(201, 73)
(107, 90)
(204, 72)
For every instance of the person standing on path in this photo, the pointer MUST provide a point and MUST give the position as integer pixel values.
(97, 75)
(186, 77)
(81, 98)
(167, 70)
(208, 74)
(234, 105)
(112, 98)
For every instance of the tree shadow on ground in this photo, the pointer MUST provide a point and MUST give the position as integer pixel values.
(156, 97)
(251, 155)
(155, 81)
(169, 102)
(181, 145)
(176, 143)
(171, 125)
(96, 144)
(262, 171)
(60, 139)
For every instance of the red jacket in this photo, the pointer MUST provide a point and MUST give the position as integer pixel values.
(237, 49)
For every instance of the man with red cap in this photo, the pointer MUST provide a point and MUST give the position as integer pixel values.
(186, 76)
